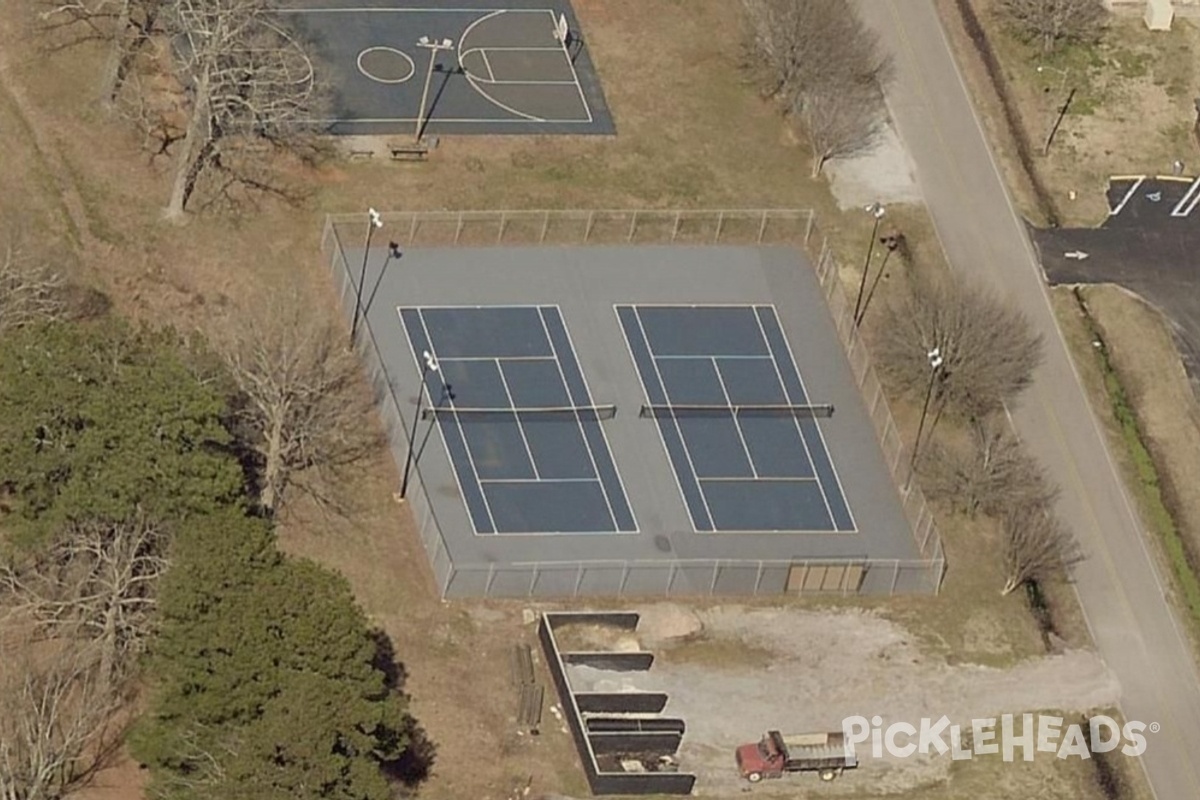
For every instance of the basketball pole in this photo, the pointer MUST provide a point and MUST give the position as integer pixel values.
(433, 47)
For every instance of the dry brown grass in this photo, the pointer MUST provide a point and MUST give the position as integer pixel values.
(1132, 112)
(693, 137)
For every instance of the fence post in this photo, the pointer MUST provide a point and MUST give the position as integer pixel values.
(624, 578)
(487, 590)
(720, 223)
(533, 578)
(758, 578)
(578, 580)
(895, 575)
(587, 230)
(545, 226)
(632, 226)
(412, 228)
(809, 227)
(675, 230)
(712, 589)
(500, 230)
(762, 228)
(458, 228)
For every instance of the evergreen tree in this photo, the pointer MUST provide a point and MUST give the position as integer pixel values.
(101, 419)
(267, 685)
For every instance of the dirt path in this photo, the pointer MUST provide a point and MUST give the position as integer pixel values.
(807, 671)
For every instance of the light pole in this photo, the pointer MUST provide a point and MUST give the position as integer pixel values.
(428, 364)
(877, 211)
(891, 242)
(433, 46)
(1059, 112)
(935, 363)
(374, 222)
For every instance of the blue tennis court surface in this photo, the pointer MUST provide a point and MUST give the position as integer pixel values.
(528, 454)
(736, 471)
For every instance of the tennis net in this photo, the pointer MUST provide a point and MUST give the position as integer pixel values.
(540, 414)
(735, 411)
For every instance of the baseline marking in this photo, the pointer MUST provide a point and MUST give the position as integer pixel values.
(1112, 212)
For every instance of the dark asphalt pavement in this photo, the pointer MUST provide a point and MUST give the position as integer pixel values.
(1150, 245)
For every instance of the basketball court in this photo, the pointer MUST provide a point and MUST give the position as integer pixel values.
(485, 67)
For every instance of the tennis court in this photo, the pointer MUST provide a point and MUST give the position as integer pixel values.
(517, 418)
(742, 436)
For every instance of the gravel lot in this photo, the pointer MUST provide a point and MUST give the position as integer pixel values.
(755, 669)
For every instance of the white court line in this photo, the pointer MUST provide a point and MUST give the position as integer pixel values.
(541, 480)
(517, 417)
(471, 78)
(737, 423)
(562, 376)
(488, 64)
(723, 356)
(661, 437)
(1194, 189)
(795, 420)
(761, 480)
(466, 445)
(674, 419)
(441, 433)
(612, 457)
(587, 108)
(816, 423)
(1132, 189)
(448, 359)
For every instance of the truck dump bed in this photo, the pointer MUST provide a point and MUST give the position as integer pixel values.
(817, 751)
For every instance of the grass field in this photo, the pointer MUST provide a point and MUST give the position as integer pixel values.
(695, 137)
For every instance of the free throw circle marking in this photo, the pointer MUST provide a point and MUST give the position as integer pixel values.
(386, 65)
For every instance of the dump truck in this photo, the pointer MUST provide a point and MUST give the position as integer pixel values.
(827, 754)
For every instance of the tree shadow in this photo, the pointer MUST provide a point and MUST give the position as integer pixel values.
(414, 766)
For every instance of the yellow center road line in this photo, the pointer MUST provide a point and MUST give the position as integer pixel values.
(989, 261)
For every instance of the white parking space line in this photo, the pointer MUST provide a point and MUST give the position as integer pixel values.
(1190, 199)
(1128, 195)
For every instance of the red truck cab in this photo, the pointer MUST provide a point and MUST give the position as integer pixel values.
(761, 759)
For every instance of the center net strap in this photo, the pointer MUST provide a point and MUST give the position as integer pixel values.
(544, 413)
(737, 411)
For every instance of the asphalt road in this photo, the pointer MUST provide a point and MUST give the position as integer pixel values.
(1122, 594)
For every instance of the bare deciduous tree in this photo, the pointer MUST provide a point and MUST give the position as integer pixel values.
(251, 87)
(97, 580)
(840, 120)
(827, 65)
(303, 409)
(1050, 23)
(29, 290)
(988, 349)
(1037, 546)
(988, 472)
(55, 719)
(125, 27)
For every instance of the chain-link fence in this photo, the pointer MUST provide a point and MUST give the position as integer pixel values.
(648, 577)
